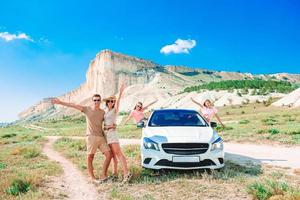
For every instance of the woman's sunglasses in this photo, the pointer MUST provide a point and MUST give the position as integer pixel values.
(111, 101)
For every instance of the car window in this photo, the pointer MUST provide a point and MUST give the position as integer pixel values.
(176, 118)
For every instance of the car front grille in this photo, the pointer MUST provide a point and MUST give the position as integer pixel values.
(185, 148)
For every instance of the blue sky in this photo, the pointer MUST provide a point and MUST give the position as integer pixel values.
(61, 37)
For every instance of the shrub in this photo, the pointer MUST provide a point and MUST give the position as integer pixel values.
(123, 113)
(293, 133)
(226, 128)
(244, 121)
(268, 102)
(273, 131)
(78, 145)
(26, 152)
(259, 191)
(265, 189)
(261, 131)
(18, 186)
(2, 166)
(269, 121)
(9, 135)
(261, 87)
(31, 152)
(245, 91)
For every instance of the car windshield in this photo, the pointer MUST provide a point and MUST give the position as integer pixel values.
(176, 118)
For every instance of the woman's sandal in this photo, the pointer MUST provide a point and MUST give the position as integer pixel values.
(127, 178)
(113, 178)
(101, 181)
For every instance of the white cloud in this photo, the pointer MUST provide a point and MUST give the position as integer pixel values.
(10, 37)
(180, 46)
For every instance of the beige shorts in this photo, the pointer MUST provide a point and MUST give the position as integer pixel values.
(96, 142)
(111, 136)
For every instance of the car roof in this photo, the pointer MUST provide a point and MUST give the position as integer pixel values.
(174, 109)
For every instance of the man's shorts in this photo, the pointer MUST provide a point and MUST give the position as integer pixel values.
(96, 142)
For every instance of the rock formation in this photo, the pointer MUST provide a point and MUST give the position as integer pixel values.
(291, 100)
(145, 81)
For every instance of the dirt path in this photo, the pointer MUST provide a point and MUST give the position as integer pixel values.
(75, 185)
(264, 154)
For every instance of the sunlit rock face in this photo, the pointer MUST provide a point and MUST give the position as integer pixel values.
(147, 81)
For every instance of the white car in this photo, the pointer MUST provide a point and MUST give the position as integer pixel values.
(180, 139)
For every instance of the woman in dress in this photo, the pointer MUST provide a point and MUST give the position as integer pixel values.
(208, 111)
(110, 117)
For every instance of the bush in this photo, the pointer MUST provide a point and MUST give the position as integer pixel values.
(31, 152)
(9, 135)
(123, 113)
(273, 131)
(2, 166)
(26, 152)
(259, 191)
(78, 145)
(266, 189)
(261, 87)
(244, 121)
(268, 102)
(18, 186)
(226, 128)
(269, 121)
(293, 133)
(261, 131)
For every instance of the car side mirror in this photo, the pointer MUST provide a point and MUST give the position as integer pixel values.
(140, 125)
(213, 124)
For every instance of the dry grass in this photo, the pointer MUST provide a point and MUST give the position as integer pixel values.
(229, 183)
(22, 166)
(261, 124)
(255, 123)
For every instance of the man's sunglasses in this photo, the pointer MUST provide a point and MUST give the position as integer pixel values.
(97, 100)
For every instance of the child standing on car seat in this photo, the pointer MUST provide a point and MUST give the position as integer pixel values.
(138, 114)
(208, 110)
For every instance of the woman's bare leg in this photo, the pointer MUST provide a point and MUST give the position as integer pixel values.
(115, 162)
(116, 149)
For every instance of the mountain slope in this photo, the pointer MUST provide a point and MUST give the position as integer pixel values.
(145, 81)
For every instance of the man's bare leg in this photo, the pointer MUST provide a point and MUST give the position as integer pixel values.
(90, 167)
(108, 156)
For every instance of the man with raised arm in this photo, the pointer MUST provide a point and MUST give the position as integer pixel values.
(94, 134)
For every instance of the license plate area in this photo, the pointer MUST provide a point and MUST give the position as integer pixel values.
(186, 159)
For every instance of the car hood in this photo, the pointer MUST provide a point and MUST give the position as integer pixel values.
(179, 134)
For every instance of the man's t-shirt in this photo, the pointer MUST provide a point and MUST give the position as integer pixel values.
(94, 121)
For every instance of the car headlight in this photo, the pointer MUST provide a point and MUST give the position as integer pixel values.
(217, 144)
(150, 144)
